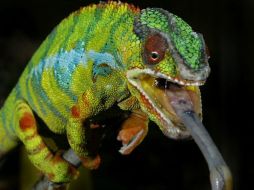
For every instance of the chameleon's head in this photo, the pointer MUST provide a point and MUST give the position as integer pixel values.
(173, 60)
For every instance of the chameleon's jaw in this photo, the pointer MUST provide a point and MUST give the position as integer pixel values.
(154, 89)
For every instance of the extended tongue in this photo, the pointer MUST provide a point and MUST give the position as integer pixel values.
(220, 174)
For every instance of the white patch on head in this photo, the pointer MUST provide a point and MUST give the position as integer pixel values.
(189, 74)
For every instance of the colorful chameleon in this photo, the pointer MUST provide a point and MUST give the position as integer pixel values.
(102, 55)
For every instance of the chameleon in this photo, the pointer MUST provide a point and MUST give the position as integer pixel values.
(103, 55)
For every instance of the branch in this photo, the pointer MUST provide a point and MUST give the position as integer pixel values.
(45, 184)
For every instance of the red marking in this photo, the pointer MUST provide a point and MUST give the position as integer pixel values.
(155, 49)
(75, 111)
(27, 121)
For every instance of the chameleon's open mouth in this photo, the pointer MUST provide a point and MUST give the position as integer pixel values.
(157, 93)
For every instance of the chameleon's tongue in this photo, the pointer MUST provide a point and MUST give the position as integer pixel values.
(158, 92)
(182, 104)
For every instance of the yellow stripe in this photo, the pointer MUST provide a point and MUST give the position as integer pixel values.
(102, 31)
(56, 96)
(78, 86)
(85, 16)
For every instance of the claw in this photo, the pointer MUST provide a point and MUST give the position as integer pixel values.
(133, 131)
(129, 145)
(91, 163)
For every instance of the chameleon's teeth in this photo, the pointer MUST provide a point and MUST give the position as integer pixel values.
(138, 72)
(181, 82)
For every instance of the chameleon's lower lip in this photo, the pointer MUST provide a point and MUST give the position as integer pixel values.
(157, 92)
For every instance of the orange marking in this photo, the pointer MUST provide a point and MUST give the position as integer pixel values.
(57, 158)
(27, 121)
(94, 126)
(85, 100)
(38, 149)
(73, 171)
(51, 176)
(134, 8)
(75, 111)
(151, 109)
(49, 156)
(146, 102)
(91, 163)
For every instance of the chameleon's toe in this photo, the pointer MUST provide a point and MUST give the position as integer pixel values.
(130, 138)
(134, 130)
(126, 135)
(62, 171)
(91, 163)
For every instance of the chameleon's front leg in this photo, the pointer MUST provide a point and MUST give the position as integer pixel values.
(51, 165)
(77, 131)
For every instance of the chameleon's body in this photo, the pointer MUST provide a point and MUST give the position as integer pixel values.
(81, 70)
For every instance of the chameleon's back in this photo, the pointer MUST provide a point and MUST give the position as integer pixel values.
(43, 84)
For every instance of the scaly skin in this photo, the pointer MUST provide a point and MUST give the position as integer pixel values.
(101, 55)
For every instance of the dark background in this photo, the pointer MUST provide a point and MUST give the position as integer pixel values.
(160, 163)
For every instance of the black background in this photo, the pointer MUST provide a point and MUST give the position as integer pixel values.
(161, 163)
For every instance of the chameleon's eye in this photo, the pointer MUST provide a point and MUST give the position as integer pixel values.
(154, 55)
(154, 49)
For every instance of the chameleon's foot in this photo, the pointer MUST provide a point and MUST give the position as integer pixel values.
(44, 184)
(133, 131)
(91, 163)
(64, 172)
